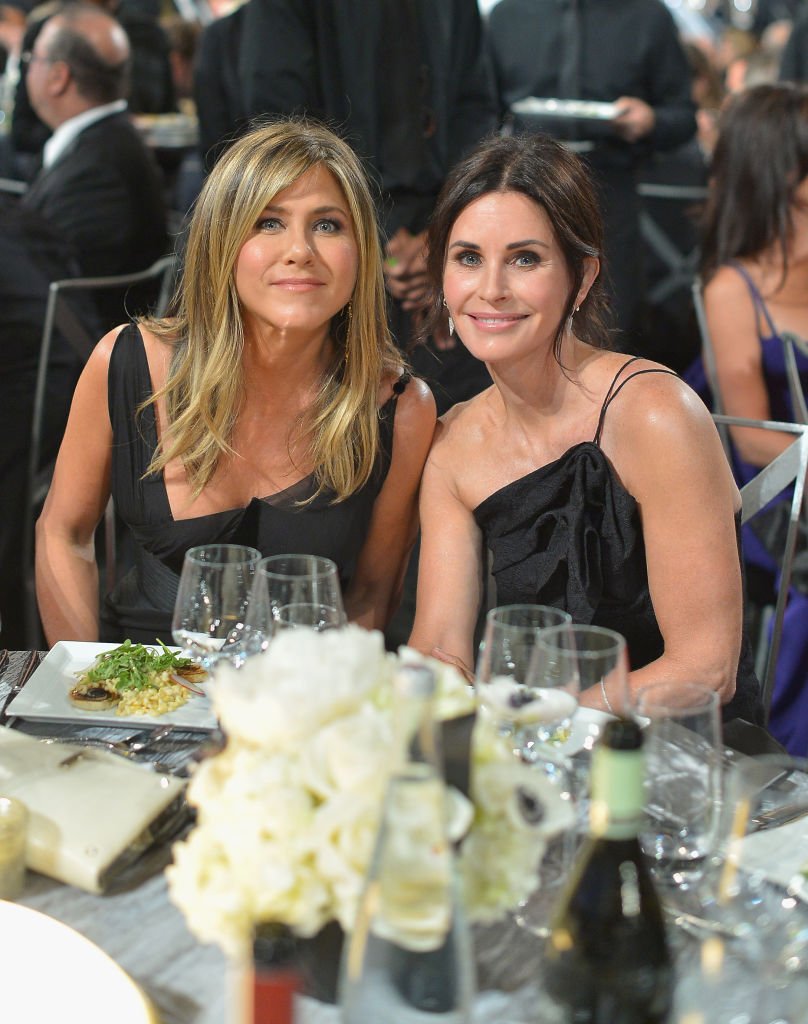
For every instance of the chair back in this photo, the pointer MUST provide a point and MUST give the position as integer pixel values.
(60, 316)
(679, 265)
(788, 469)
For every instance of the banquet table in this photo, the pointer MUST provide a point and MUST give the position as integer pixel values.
(187, 982)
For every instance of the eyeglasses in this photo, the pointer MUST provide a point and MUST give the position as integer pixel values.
(29, 57)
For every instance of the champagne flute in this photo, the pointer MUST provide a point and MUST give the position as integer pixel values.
(293, 591)
(211, 607)
(521, 711)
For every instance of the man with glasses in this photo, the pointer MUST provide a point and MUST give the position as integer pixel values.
(99, 185)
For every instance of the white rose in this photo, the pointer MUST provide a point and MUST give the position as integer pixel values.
(344, 833)
(350, 753)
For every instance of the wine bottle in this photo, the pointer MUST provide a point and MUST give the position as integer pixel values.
(607, 959)
(275, 975)
(409, 957)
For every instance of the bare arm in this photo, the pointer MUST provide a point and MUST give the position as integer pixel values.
(450, 566)
(375, 590)
(687, 500)
(739, 365)
(66, 570)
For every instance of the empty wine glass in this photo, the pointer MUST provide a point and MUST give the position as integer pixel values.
(683, 779)
(292, 591)
(520, 710)
(212, 600)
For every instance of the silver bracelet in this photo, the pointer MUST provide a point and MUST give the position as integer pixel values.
(606, 700)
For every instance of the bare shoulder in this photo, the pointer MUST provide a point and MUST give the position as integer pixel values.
(463, 427)
(658, 432)
(99, 359)
(726, 285)
(415, 404)
(654, 407)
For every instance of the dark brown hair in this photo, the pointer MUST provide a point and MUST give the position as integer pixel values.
(546, 172)
(760, 158)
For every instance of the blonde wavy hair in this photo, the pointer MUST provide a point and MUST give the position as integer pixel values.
(206, 379)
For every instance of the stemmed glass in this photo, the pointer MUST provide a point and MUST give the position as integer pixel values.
(683, 750)
(505, 688)
(573, 661)
(293, 591)
(757, 896)
(211, 607)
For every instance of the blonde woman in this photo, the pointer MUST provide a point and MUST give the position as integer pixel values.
(272, 410)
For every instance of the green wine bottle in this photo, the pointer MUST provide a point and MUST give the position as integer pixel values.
(607, 959)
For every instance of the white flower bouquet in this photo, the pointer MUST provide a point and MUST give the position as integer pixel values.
(287, 813)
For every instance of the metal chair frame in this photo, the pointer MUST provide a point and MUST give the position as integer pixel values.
(60, 316)
(788, 468)
(682, 266)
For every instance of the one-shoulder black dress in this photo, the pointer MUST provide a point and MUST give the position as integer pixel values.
(569, 535)
(141, 605)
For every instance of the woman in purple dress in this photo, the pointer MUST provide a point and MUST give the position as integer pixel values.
(755, 269)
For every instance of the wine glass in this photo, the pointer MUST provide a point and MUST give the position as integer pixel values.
(683, 751)
(758, 893)
(211, 607)
(293, 591)
(520, 710)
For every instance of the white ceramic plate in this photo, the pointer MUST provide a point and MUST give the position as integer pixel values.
(44, 696)
(588, 110)
(51, 973)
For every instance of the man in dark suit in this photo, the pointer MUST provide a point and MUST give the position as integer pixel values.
(31, 256)
(99, 186)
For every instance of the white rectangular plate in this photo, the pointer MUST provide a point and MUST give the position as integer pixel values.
(588, 110)
(44, 696)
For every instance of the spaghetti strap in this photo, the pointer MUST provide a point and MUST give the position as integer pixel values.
(613, 391)
(607, 399)
(757, 299)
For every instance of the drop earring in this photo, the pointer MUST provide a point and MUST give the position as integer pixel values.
(451, 321)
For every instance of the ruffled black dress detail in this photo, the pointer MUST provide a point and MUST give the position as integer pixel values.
(569, 535)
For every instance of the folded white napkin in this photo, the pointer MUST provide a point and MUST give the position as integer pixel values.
(88, 808)
(779, 855)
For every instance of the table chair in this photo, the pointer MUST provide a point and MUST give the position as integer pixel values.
(60, 316)
(787, 470)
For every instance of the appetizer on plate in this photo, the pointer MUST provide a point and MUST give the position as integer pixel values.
(137, 680)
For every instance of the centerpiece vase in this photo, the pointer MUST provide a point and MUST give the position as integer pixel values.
(410, 953)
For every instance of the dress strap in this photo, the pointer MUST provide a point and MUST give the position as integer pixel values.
(615, 389)
(757, 299)
(400, 385)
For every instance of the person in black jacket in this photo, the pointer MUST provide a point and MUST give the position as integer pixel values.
(99, 186)
(217, 86)
(794, 59)
(31, 256)
(151, 86)
(625, 52)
